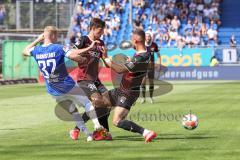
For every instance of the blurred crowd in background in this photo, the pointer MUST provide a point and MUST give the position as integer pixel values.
(173, 23)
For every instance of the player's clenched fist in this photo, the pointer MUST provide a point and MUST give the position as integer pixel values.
(40, 37)
(94, 44)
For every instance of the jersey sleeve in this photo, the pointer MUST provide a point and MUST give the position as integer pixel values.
(156, 48)
(66, 51)
(80, 43)
(31, 51)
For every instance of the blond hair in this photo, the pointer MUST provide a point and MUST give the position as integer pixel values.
(51, 30)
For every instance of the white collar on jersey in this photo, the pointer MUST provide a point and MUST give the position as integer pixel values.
(45, 45)
(148, 44)
(90, 38)
(141, 52)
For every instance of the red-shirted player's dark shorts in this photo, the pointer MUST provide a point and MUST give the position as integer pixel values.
(90, 87)
(125, 99)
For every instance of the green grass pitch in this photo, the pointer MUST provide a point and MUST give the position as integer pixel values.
(29, 129)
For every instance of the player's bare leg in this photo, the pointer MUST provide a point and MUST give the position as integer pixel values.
(104, 102)
(119, 121)
(90, 111)
(102, 112)
(80, 123)
(80, 99)
(100, 115)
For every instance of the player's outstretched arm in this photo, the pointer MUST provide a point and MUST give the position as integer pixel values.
(27, 49)
(84, 50)
(76, 54)
(116, 67)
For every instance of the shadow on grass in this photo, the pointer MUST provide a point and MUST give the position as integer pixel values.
(164, 137)
(12, 129)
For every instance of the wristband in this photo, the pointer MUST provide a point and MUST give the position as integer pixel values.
(107, 60)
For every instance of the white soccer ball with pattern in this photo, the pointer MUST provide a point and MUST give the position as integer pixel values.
(190, 121)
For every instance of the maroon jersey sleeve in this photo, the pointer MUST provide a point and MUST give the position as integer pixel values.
(81, 42)
(155, 47)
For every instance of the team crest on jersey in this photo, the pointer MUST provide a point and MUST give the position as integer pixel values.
(94, 54)
(130, 65)
(123, 99)
(92, 87)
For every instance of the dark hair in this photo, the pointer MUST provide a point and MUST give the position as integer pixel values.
(140, 33)
(97, 23)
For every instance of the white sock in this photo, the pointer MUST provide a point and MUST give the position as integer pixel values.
(80, 123)
(78, 120)
(92, 114)
(145, 132)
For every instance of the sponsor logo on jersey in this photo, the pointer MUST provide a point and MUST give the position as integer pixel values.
(46, 55)
(123, 99)
(92, 87)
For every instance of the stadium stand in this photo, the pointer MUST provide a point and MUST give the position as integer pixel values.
(172, 22)
(231, 21)
(230, 15)
(114, 13)
(2, 16)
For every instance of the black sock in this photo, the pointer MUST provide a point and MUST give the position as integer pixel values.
(151, 89)
(104, 121)
(85, 117)
(143, 90)
(130, 126)
(103, 114)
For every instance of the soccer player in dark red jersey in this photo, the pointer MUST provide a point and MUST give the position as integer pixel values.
(89, 69)
(152, 48)
(125, 96)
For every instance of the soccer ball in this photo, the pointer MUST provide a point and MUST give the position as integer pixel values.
(190, 121)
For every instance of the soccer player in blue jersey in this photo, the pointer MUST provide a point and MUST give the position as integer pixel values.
(50, 58)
